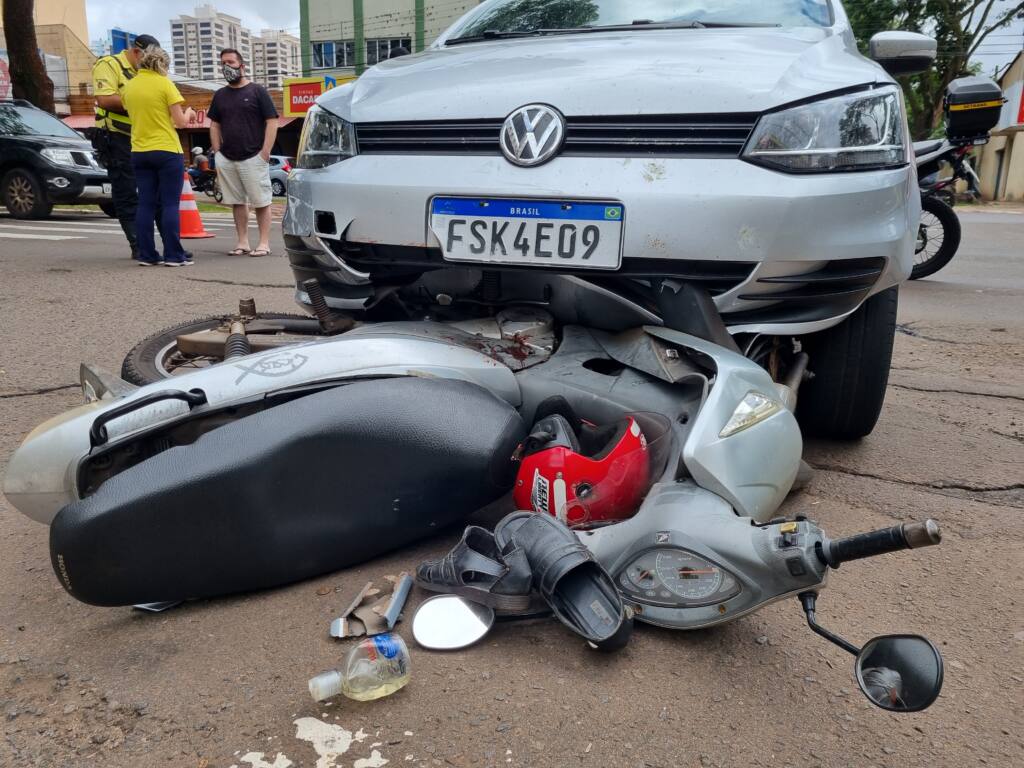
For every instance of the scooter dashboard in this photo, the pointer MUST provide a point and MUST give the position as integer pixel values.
(678, 578)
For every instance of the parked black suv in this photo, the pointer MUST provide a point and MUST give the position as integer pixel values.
(43, 162)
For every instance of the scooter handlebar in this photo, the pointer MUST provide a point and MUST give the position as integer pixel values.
(906, 536)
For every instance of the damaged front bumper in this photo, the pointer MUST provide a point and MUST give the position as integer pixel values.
(780, 253)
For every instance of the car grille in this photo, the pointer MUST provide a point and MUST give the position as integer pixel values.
(83, 159)
(636, 135)
(716, 277)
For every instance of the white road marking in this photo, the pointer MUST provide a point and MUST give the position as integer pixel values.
(15, 236)
(50, 228)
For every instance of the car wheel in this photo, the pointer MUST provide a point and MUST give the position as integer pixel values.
(278, 187)
(108, 207)
(850, 363)
(23, 195)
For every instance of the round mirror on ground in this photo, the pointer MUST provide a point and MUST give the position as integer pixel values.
(900, 673)
(449, 622)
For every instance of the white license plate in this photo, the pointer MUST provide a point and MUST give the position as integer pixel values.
(545, 233)
(106, 189)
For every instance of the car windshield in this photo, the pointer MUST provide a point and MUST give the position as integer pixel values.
(23, 121)
(527, 16)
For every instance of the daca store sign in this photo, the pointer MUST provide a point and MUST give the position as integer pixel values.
(300, 93)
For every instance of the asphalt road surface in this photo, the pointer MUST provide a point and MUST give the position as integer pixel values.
(223, 683)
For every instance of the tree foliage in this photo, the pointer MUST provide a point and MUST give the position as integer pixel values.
(29, 80)
(959, 26)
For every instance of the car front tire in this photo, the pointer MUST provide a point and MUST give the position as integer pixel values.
(24, 196)
(850, 363)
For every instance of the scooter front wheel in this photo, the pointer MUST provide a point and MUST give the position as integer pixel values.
(159, 357)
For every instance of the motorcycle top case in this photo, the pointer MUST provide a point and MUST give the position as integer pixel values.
(972, 106)
(321, 483)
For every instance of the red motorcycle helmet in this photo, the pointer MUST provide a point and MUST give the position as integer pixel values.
(584, 475)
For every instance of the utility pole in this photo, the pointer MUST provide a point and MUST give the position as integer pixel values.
(29, 80)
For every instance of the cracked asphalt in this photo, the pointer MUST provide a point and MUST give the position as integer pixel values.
(222, 683)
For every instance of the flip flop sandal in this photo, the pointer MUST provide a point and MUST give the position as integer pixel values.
(260, 252)
(476, 570)
(239, 252)
(579, 590)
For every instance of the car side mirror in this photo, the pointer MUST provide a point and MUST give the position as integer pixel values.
(900, 673)
(903, 53)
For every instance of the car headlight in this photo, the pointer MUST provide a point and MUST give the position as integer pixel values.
(59, 156)
(326, 139)
(856, 132)
(753, 409)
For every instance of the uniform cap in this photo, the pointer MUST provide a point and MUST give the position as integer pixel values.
(144, 41)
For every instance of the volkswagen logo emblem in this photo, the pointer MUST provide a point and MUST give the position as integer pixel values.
(532, 135)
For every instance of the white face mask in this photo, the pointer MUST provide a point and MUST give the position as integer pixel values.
(231, 74)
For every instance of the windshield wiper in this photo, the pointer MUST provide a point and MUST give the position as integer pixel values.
(691, 24)
(494, 34)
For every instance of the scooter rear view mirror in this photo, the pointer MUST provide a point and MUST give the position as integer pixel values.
(900, 673)
(449, 622)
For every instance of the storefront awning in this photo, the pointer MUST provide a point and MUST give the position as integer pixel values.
(79, 122)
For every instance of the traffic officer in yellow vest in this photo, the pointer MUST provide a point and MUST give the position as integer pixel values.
(112, 137)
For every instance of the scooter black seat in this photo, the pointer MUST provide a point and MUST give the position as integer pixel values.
(922, 148)
(305, 488)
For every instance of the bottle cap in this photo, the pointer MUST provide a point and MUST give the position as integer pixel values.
(325, 686)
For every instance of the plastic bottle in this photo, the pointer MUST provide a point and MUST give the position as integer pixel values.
(375, 668)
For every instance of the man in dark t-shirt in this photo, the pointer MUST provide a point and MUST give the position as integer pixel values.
(243, 127)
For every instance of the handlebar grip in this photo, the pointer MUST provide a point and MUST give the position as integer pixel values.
(907, 536)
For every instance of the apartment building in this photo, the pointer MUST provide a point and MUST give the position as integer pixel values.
(196, 42)
(342, 38)
(276, 56)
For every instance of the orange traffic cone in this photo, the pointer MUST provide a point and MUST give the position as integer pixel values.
(191, 225)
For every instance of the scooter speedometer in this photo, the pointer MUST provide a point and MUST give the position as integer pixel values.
(668, 576)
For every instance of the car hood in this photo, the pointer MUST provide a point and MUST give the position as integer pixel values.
(42, 142)
(651, 72)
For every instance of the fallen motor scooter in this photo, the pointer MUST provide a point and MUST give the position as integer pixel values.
(281, 465)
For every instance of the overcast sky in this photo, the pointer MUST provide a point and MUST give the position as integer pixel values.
(154, 18)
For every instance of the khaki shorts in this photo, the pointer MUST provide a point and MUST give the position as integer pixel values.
(244, 181)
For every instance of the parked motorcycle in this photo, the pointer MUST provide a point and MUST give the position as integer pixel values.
(972, 109)
(939, 233)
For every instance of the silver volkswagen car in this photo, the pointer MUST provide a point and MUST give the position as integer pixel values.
(595, 156)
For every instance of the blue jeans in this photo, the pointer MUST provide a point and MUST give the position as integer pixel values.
(158, 176)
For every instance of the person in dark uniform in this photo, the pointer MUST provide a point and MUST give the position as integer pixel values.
(113, 129)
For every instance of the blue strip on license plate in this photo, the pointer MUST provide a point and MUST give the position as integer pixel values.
(526, 209)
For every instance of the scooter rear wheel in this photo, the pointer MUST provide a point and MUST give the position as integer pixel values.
(938, 238)
(157, 357)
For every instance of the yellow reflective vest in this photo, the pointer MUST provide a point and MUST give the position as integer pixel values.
(110, 74)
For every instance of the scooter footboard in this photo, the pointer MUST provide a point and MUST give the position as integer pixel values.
(318, 484)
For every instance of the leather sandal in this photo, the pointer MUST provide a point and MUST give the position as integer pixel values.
(478, 570)
(578, 588)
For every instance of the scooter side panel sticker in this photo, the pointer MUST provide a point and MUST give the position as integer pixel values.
(273, 366)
